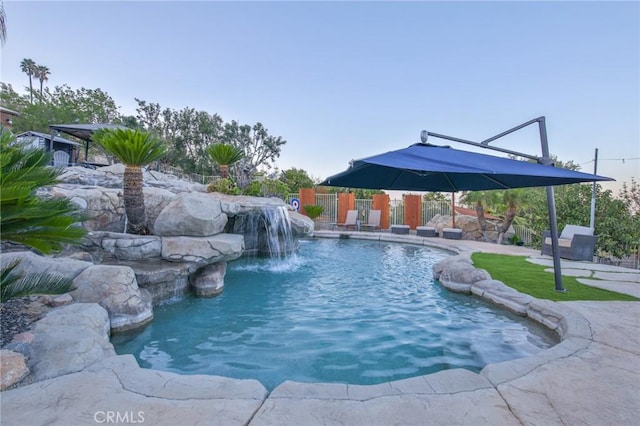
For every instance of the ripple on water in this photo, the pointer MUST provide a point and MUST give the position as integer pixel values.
(340, 311)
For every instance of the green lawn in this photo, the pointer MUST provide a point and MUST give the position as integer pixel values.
(532, 279)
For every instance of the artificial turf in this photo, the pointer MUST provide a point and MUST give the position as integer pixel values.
(532, 279)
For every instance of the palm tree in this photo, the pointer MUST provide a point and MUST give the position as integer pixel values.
(41, 223)
(512, 199)
(3, 24)
(41, 73)
(134, 149)
(482, 199)
(225, 155)
(29, 67)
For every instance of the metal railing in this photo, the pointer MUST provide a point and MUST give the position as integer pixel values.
(524, 234)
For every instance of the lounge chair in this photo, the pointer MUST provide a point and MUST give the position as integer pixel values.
(374, 221)
(574, 243)
(60, 159)
(351, 221)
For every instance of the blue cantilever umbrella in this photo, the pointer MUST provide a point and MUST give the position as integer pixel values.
(426, 167)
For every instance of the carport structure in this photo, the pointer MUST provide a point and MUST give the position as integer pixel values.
(82, 132)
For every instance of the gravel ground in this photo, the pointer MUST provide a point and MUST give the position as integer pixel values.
(17, 315)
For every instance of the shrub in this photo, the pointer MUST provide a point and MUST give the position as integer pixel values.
(224, 186)
(313, 211)
(268, 188)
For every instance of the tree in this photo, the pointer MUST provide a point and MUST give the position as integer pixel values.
(482, 199)
(260, 148)
(188, 133)
(296, 179)
(224, 155)
(436, 196)
(3, 24)
(135, 149)
(44, 224)
(29, 67)
(60, 105)
(358, 193)
(631, 195)
(41, 73)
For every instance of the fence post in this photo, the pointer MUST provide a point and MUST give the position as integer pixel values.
(412, 210)
(307, 197)
(381, 202)
(346, 201)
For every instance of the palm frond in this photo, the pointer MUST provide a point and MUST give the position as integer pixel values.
(16, 285)
(132, 147)
(225, 154)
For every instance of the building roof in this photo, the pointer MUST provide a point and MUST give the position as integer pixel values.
(9, 111)
(83, 131)
(48, 137)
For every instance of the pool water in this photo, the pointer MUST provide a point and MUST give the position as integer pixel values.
(345, 311)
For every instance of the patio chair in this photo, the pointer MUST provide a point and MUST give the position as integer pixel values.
(351, 220)
(374, 221)
(574, 243)
(60, 159)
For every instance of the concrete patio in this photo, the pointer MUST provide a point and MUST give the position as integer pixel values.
(592, 377)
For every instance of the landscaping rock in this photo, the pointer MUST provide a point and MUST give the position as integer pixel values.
(191, 215)
(209, 280)
(66, 340)
(115, 288)
(13, 368)
(33, 263)
(203, 250)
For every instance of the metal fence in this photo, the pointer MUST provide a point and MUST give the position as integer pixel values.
(432, 208)
(632, 261)
(329, 202)
(525, 234)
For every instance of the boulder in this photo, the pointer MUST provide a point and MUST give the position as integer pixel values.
(13, 368)
(127, 246)
(115, 289)
(440, 266)
(33, 263)
(460, 276)
(301, 226)
(192, 215)
(155, 200)
(209, 280)
(103, 207)
(203, 250)
(66, 340)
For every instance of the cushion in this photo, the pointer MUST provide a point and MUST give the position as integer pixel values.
(562, 242)
(570, 230)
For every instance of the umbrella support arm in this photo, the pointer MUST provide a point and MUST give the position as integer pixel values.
(545, 159)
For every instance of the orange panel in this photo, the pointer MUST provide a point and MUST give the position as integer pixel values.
(412, 210)
(346, 202)
(381, 202)
(307, 198)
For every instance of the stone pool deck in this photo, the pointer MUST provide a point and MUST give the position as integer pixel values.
(591, 378)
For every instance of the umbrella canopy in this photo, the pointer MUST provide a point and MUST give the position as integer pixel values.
(426, 167)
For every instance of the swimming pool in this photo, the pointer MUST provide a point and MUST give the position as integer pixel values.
(347, 311)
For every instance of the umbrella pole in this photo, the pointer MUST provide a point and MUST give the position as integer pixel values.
(453, 209)
(553, 224)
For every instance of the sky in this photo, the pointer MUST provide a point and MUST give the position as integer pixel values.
(345, 80)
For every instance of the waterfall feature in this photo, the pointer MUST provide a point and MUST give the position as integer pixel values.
(267, 232)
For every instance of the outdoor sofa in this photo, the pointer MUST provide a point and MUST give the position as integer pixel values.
(574, 243)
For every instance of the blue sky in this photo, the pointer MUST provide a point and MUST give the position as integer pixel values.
(345, 80)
